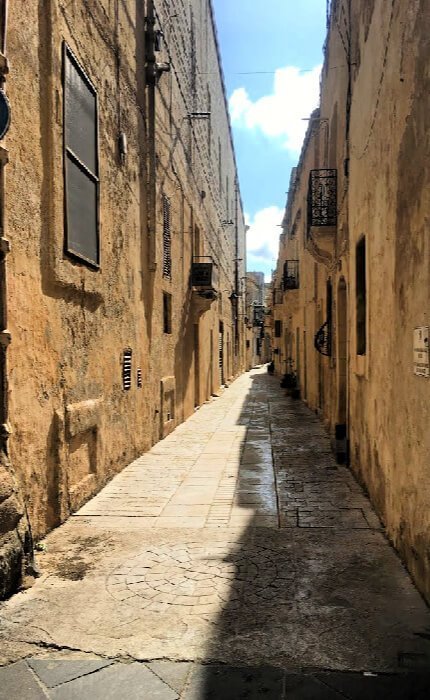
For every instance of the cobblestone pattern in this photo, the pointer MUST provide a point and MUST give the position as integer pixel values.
(201, 578)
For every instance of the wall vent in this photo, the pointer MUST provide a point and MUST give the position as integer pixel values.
(139, 378)
(126, 369)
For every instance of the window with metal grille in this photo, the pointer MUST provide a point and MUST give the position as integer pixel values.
(167, 312)
(81, 167)
(278, 329)
(167, 239)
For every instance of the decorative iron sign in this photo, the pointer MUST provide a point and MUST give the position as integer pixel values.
(201, 274)
(421, 351)
(4, 114)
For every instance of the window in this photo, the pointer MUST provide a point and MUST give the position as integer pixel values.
(167, 312)
(81, 181)
(278, 329)
(209, 101)
(196, 242)
(167, 239)
(219, 168)
(360, 291)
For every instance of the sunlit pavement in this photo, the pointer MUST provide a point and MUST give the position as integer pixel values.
(234, 560)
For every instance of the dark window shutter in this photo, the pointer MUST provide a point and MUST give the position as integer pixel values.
(167, 239)
(81, 161)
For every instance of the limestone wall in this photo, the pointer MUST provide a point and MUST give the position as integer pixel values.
(371, 128)
(73, 423)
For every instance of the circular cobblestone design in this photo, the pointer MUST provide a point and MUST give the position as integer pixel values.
(199, 577)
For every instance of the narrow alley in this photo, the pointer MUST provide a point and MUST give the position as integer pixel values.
(233, 560)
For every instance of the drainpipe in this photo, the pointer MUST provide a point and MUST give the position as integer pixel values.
(348, 123)
(152, 156)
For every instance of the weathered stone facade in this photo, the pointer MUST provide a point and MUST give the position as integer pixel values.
(360, 236)
(105, 359)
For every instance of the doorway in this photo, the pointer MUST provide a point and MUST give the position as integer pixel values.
(196, 366)
(342, 373)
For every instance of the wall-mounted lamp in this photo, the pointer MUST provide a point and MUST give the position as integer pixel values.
(158, 40)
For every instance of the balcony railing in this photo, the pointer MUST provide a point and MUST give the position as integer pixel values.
(322, 198)
(290, 279)
(204, 274)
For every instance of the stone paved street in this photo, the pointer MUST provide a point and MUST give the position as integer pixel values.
(234, 560)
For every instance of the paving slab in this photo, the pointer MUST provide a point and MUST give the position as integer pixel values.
(18, 683)
(54, 672)
(216, 682)
(175, 674)
(132, 681)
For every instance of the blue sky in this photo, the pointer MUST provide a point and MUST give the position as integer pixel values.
(280, 42)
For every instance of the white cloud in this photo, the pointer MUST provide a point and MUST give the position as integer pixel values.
(263, 237)
(280, 115)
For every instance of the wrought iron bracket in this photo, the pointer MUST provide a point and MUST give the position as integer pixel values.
(322, 340)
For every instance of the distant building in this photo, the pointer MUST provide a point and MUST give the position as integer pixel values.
(258, 348)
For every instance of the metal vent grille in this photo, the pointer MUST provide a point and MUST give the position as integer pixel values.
(139, 378)
(167, 239)
(126, 369)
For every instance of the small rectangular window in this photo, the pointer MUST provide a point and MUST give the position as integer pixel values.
(81, 169)
(278, 329)
(360, 291)
(167, 239)
(167, 312)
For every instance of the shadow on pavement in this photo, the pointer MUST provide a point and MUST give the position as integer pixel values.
(319, 605)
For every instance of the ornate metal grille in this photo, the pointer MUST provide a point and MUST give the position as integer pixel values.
(126, 369)
(322, 198)
(322, 339)
(167, 239)
(291, 274)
